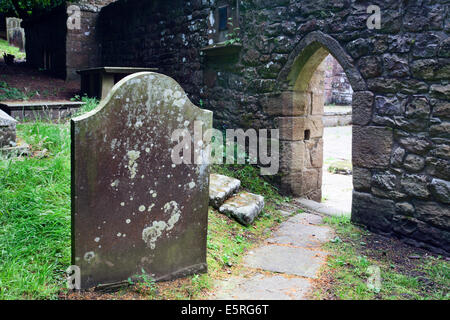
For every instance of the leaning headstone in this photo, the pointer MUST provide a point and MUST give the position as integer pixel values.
(134, 211)
(7, 130)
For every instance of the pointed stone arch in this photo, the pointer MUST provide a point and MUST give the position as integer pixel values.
(300, 123)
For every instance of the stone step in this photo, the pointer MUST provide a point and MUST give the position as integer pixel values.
(221, 188)
(243, 207)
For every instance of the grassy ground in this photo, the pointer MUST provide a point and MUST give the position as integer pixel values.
(406, 272)
(35, 224)
(35, 238)
(6, 48)
(35, 215)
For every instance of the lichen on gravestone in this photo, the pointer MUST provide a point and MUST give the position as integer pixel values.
(133, 210)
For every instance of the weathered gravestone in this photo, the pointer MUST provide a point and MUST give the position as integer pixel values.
(133, 210)
(7, 130)
(15, 33)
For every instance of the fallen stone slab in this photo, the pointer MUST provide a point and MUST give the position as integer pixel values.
(284, 259)
(221, 188)
(262, 287)
(244, 207)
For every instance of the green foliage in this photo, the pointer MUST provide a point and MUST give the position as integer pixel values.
(233, 36)
(6, 48)
(90, 104)
(11, 93)
(27, 8)
(350, 260)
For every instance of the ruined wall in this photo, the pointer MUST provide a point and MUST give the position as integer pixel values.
(399, 75)
(54, 47)
(46, 41)
(162, 34)
(337, 88)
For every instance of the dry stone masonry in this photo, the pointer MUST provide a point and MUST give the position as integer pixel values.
(133, 210)
(271, 77)
(399, 75)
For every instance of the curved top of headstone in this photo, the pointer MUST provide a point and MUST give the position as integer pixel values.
(140, 85)
(135, 209)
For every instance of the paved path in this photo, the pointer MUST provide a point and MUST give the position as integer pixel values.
(337, 188)
(283, 267)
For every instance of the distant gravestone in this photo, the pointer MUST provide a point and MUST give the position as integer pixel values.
(15, 33)
(134, 211)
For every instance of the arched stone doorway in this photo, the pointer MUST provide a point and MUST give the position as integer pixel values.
(301, 126)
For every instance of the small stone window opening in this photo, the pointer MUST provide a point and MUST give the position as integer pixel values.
(223, 18)
(307, 134)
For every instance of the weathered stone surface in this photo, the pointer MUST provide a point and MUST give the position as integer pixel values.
(291, 260)
(398, 155)
(372, 146)
(418, 107)
(221, 188)
(7, 130)
(244, 207)
(134, 210)
(415, 144)
(295, 128)
(405, 208)
(373, 212)
(415, 185)
(263, 287)
(440, 190)
(293, 156)
(362, 179)
(439, 168)
(414, 163)
(434, 214)
(295, 233)
(362, 107)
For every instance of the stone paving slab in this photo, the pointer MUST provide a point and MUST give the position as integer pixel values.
(291, 260)
(263, 287)
(321, 208)
(301, 235)
(221, 188)
(243, 207)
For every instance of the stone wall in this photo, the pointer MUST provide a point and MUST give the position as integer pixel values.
(54, 47)
(46, 41)
(337, 88)
(399, 75)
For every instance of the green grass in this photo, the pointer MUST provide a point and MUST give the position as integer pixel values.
(35, 222)
(10, 93)
(35, 215)
(349, 262)
(6, 48)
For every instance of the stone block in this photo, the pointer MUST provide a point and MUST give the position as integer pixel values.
(221, 188)
(373, 212)
(362, 107)
(372, 146)
(300, 128)
(244, 207)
